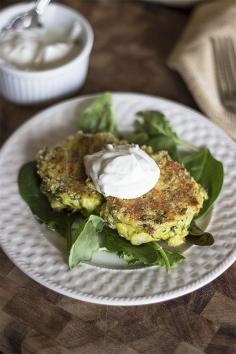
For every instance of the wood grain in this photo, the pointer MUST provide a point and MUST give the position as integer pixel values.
(132, 42)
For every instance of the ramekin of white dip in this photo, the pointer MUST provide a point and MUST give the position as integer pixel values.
(60, 68)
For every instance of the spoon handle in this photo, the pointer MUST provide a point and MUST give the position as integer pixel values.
(41, 6)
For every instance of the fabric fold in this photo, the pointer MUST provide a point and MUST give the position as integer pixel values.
(193, 58)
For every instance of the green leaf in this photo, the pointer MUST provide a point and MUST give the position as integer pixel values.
(164, 256)
(148, 254)
(207, 171)
(86, 240)
(198, 237)
(29, 188)
(162, 142)
(158, 143)
(137, 138)
(154, 123)
(98, 116)
(174, 257)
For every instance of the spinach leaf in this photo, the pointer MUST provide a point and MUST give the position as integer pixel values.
(148, 254)
(85, 240)
(162, 142)
(207, 171)
(29, 188)
(98, 116)
(89, 239)
(198, 237)
(154, 123)
(158, 142)
(137, 138)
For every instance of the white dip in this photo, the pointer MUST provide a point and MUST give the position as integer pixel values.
(122, 171)
(40, 48)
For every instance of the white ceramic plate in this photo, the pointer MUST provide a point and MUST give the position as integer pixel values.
(108, 280)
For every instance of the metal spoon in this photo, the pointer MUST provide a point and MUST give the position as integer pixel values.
(26, 20)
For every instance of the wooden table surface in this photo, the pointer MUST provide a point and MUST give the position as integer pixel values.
(132, 42)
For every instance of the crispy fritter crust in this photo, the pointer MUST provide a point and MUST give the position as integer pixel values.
(165, 212)
(173, 194)
(62, 171)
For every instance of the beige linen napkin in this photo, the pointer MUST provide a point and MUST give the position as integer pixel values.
(193, 58)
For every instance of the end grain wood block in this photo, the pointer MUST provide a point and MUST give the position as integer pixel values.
(15, 333)
(38, 313)
(226, 284)
(189, 326)
(8, 289)
(213, 349)
(159, 342)
(79, 332)
(226, 336)
(225, 339)
(175, 325)
(35, 343)
(6, 264)
(128, 328)
(82, 310)
(20, 278)
(46, 293)
(187, 348)
(199, 299)
(104, 345)
(5, 345)
(221, 310)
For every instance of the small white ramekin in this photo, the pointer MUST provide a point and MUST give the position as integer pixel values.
(31, 87)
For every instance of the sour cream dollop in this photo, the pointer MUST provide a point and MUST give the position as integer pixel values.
(40, 48)
(122, 171)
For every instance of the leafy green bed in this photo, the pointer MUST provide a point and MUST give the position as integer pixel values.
(85, 236)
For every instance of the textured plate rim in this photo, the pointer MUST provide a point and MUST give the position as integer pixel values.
(121, 301)
(118, 301)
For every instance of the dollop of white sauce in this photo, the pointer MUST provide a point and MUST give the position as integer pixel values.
(122, 171)
(40, 48)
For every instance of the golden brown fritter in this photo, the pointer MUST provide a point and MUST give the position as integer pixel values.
(62, 171)
(164, 212)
